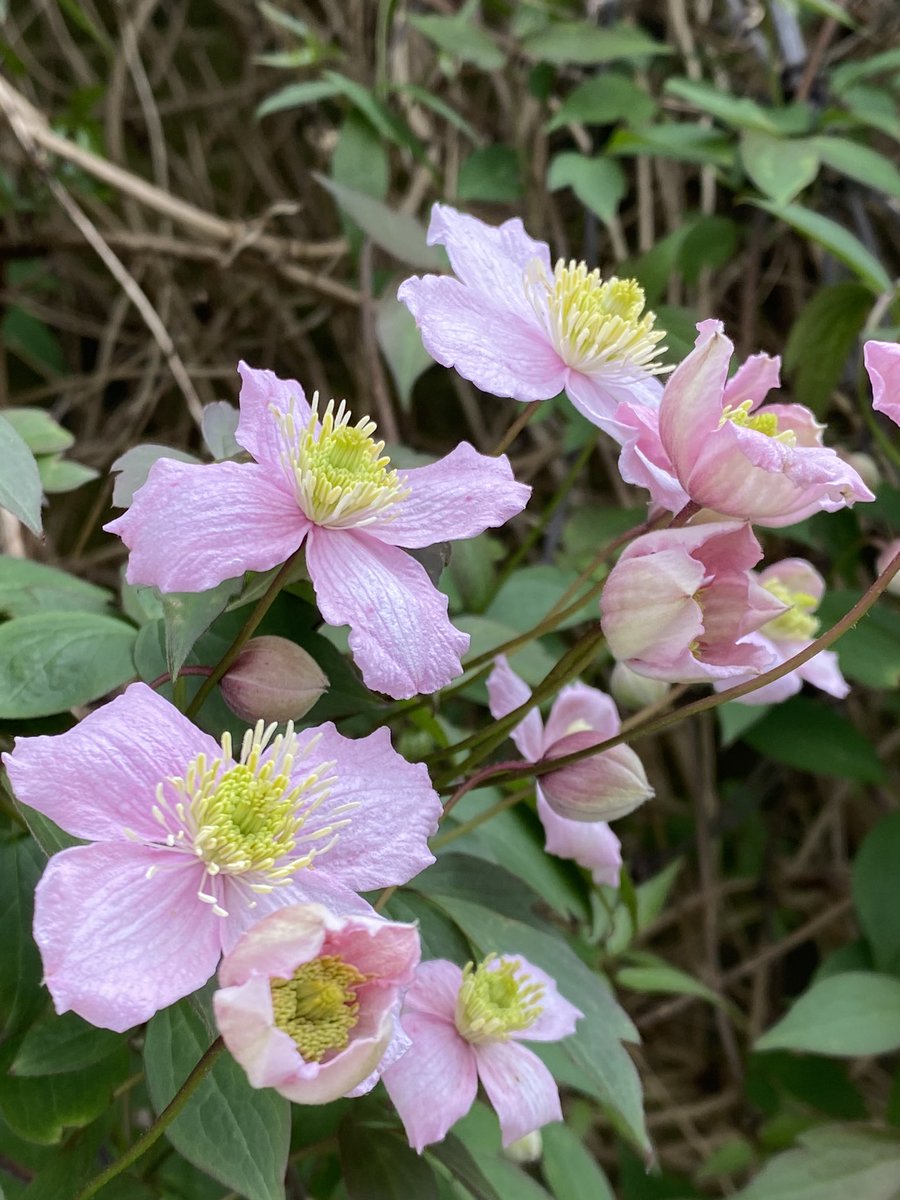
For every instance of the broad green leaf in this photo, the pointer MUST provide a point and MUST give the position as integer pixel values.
(57, 1044)
(62, 474)
(398, 233)
(835, 239)
(21, 997)
(844, 1015)
(581, 43)
(20, 482)
(50, 662)
(27, 586)
(599, 183)
(32, 341)
(219, 424)
(296, 95)
(459, 36)
(461, 876)
(780, 167)
(452, 1153)
(401, 345)
(732, 110)
(709, 243)
(437, 105)
(38, 430)
(378, 1164)
(238, 1134)
(870, 652)
(382, 120)
(532, 662)
(360, 159)
(439, 935)
(875, 891)
(681, 141)
(735, 719)
(41, 1108)
(832, 1162)
(860, 162)
(604, 100)
(526, 597)
(809, 736)
(822, 339)
(490, 173)
(479, 1132)
(662, 978)
(569, 1168)
(133, 467)
(829, 8)
(187, 615)
(849, 73)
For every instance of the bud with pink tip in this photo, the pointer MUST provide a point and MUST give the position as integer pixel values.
(273, 679)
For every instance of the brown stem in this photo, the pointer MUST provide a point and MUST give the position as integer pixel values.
(166, 676)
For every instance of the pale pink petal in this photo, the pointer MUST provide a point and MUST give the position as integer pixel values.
(823, 672)
(98, 780)
(459, 496)
(592, 845)
(388, 803)
(599, 787)
(558, 1017)
(320, 1083)
(435, 990)
(882, 361)
(753, 380)
(117, 946)
(648, 605)
(507, 691)
(245, 1020)
(643, 460)
(797, 575)
(292, 935)
(263, 395)
(598, 397)
(434, 1083)
(578, 707)
(245, 907)
(400, 635)
(498, 350)
(190, 527)
(691, 406)
(521, 1089)
(387, 951)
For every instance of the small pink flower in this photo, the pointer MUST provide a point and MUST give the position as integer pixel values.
(679, 604)
(517, 326)
(308, 1002)
(883, 365)
(731, 454)
(317, 478)
(799, 586)
(615, 780)
(886, 556)
(193, 841)
(467, 1026)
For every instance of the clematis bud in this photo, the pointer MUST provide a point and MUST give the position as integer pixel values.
(273, 679)
(634, 691)
(601, 787)
(527, 1149)
(888, 554)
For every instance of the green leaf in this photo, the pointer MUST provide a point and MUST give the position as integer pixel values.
(780, 167)
(822, 339)
(219, 425)
(604, 100)
(569, 1169)
(378, 1164)
(439, 935)
(850, 73)
(457, 35)
(732, 110)
(360, 159)
(57, 1044)
(45, 832)
(188, 615)
(809, 736)
(62, 475)
(490, 173)
(464, 877)
(870, 652)
(401, 345)
(528, 594)
(32, 341)
(38, 430)
(479, 1132)
(238, 1134)
(50, 662)
(20, 482)
(133, 467)
(832, 1162)
(532, 662)
(875, 891)
(598, 183)
(736, 718)
(398, 233)
(21, 997)
(41, 1108)
(579, 42)
(382, 120)
(844, 1015)
(297, 95)
(862, 163)
(681, 141)
(669, 981)
(452, 1154)
(27, 586)
(838, 241)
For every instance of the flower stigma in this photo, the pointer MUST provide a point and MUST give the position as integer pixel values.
(762, 422)
(798, 623)
(493, 1003)
(593, 323)
(318, 1006)
(342, 479)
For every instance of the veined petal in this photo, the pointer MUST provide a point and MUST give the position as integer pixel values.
(435, 990)
(400, 635)
(558, 1017)
(434, 1083)
(579, 707)
(263, 395)
(246, 908)
(882, 361)
(591, 844)
(521, 1089)
(507, 691)
(190, 527)
(598, 397)
(691, 407)
(753, 380)
(823, 671)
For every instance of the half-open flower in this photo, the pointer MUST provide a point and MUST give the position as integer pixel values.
(321, 480)
(882, 361)
(309, 1001)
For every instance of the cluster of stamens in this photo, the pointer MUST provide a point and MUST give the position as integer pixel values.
(798, 623)
(318, 1006)
(761, 422)
(494, 1002)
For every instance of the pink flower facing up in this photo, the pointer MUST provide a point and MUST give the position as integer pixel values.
(800, 587)
(192, 842)
(467, 1025)
(730, 453)
(317, 477)
(517, 326)
(680, 604)
(309, 1002)
(603, 787)
(882, 361)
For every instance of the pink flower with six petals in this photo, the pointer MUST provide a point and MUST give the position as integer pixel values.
(882, 361)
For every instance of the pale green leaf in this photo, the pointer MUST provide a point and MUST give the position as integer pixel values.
(579, 42)
(599, 183)
(845, 1015)
(20, 481)
(780, 167)
(398, 233)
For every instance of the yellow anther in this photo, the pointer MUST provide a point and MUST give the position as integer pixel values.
(762, 422)
(797, 624)
(318, 1006)
(493, 1003)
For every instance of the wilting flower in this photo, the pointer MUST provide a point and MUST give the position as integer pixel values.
(309, 1002)
(799, 586)
(680, 604)
(517, 326)
(604, 786)
(467, 1025)
(882, 361)
(193, 841)
(320, 479)
(762, 463)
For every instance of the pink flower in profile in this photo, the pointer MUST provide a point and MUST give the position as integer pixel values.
(517, 326)
(192, 841)
(762, 463)
(616, 781)
(680, 603)
(800, 587)
(320, 480)
(308, 1002)
(882, 361)
(468, 1025)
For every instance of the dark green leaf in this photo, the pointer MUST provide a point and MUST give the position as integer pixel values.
(452, 1153)
(378, 1164)
(809, 736)
(683, 142)
(822, 339)
(832, 1162)
(296, 95)
(45, 832)
(732, 110)
(43, 1107)
(860, 162)
(605, 100)
(870, 652)
(845, 1015)
(875, 891)
(188, 615)
(57, 1044)
(27, 586)
(490, 173)
(459, 36)
(20, 482)
(479, 1132)
(21, 997)
(360, 159)
(570, 1169)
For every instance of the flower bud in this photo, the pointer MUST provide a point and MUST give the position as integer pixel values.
(888, 552)
(600, 787)
(527, 1149)
(273, 679)
(634, 691)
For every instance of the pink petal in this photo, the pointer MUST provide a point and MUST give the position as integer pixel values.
(882, 361)
(823, 672)
(521, 1089)
(599, 787)
(797, 575)
(258, 428)
(400, 635)
(591, 844)
(598, 397)
(691, 406)
(459, 496)
(280, 942)
(582, 705)
(435, 990)
(753, 380)
(99, 779)
(558, 1017)
(435, 1082)
(643, 460)
(245, 1020)
(117, 946)
(389, 803)
(500, 351)
(387, 951)
(648, 605)
(245, 908)
(506, 691)
(189, 527)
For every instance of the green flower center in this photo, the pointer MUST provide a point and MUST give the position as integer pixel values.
(797, 624)
(493, 1003)
(761, 422)
(318, 1005)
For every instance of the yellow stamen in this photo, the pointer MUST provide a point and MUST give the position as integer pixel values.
(492, 1003)
(318, 1005)
(762, 422)
(797, 624)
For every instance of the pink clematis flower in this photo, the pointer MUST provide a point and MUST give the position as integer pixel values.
(193, 841)
(882, 361)
(800, 587)
(517, 326)
(309, 1002)
(615, 782)
(320, 480)
(680, 603)
(467, 1025)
